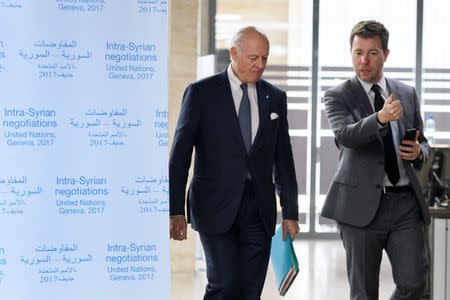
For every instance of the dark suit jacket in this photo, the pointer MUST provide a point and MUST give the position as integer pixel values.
(355, 190)
(208, 122)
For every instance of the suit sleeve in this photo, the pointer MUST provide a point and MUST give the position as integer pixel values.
(284, 168)
(349, 127)
(181, 153)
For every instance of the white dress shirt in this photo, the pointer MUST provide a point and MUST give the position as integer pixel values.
(237, 92)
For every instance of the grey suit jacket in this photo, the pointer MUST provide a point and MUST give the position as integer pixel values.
(356, 187)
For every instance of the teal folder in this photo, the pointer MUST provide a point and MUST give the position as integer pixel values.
(284, 261)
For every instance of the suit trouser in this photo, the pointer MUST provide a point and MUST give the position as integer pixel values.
(398, 229)
(237, 260)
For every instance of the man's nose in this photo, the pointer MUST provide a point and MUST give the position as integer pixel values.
(364, 59)
(260, 63)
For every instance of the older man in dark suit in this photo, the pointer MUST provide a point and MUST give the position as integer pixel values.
(237, 124)
(375, 196)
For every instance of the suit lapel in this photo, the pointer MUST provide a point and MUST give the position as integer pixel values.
(361, 99)
(392, 89)
(263, 110)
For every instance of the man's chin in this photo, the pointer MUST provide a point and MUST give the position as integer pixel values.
(365, 76)
(255, 79)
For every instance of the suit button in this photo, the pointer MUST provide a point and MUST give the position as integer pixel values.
(378, 186)
(380, 163)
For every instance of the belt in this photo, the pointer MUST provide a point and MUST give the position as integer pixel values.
(397, 189)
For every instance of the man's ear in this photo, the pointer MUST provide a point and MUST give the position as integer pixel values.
(386, 54)
(233, 53)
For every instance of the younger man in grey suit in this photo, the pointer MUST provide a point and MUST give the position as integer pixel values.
(375, 196)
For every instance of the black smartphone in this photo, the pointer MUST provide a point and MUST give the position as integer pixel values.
(410, 134)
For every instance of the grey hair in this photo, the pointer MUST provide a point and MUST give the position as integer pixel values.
(244, 32)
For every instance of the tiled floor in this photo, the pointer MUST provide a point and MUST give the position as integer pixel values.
(322, 276)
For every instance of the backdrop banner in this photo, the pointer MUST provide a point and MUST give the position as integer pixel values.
(84, 150)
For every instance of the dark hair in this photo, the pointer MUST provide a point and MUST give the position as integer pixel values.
(371, 28)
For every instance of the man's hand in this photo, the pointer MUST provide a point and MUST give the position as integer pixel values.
(410, 150)
(178, 228)
(290, 226)
(392, 110)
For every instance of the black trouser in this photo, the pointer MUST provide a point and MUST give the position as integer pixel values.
(237, 260)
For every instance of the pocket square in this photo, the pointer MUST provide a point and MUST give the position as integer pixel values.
(273, 116)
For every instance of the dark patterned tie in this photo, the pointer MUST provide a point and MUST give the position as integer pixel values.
(245, 120)
(390, 156)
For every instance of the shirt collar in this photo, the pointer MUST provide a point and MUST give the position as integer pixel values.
(234, 80)
(368, 85)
